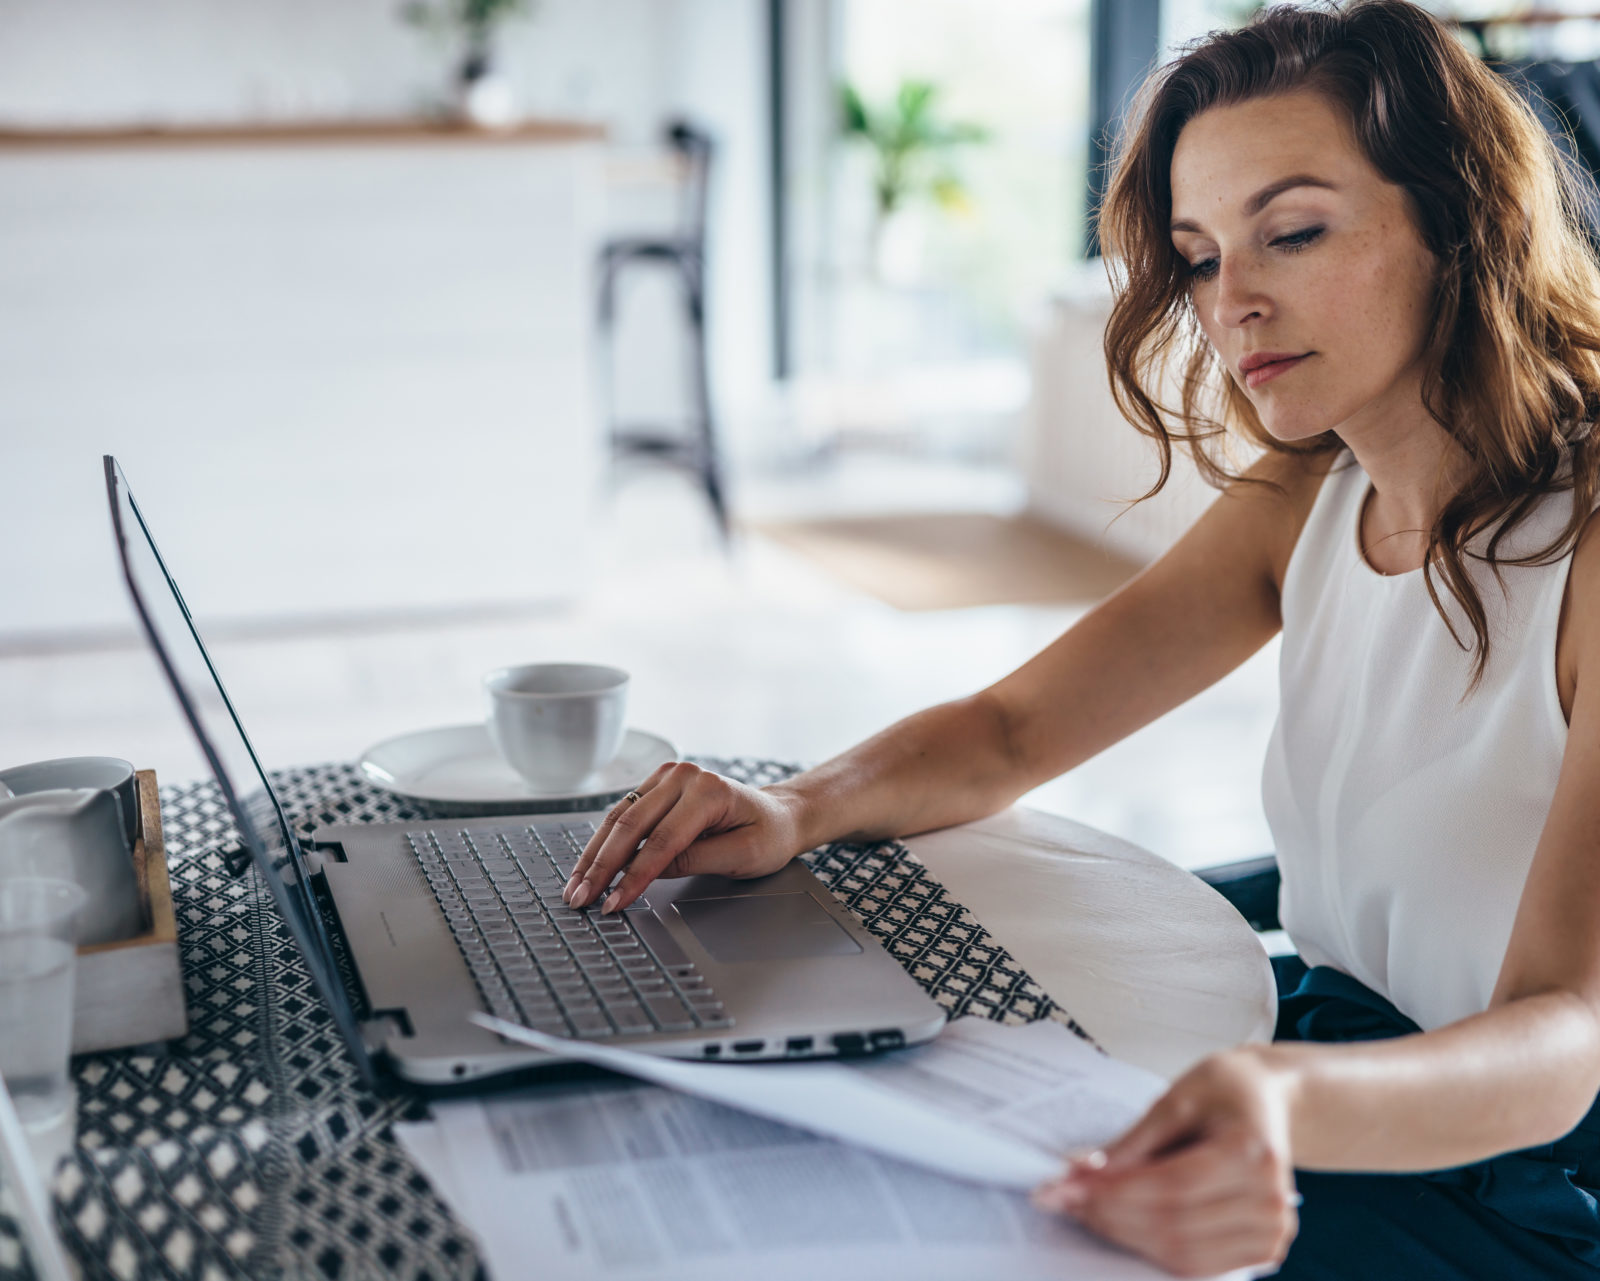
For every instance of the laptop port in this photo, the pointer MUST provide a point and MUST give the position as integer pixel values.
(748, 1047)
(888, 1039)
(850, 1043)
(798, 1045)
(712, 1050)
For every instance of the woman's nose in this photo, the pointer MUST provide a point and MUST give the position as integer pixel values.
(1239, 298)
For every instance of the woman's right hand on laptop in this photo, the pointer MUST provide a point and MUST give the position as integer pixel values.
(686, 821)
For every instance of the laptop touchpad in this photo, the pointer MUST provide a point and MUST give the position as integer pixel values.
(765, 927)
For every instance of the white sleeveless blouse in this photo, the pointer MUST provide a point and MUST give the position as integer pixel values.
(1406, 816)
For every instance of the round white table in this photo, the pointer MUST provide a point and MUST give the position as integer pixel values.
(1154, 963)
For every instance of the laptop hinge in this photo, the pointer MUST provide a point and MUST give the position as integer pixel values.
(383, 1027)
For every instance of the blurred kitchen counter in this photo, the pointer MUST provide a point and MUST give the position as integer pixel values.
(307, 132)
(346, 366)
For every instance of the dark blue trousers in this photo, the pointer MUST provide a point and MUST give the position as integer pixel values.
(1528, 1214)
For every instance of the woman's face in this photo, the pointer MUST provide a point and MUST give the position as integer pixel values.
(1307, 272)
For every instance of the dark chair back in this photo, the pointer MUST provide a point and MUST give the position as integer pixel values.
(696, 148)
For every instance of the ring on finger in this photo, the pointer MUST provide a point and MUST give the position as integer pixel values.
(631, 797)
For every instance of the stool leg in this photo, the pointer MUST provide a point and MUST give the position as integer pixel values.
(606, 324)
(709, 464)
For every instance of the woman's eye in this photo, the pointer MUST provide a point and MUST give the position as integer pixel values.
(1297, 240)
(1292, 242)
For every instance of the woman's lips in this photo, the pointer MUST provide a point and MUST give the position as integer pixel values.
(1269, 371)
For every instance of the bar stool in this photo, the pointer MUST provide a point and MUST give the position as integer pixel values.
(684, 255)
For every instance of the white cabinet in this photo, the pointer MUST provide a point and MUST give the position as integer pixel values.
(346, 372)
(1082, 459)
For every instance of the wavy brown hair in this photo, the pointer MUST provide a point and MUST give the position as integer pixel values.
(1512, 357)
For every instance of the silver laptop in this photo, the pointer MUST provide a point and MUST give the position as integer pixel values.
(409, 927)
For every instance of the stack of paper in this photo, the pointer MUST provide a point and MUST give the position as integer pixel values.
(912, 1165)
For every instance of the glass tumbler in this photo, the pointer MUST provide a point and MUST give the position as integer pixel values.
(38, 917)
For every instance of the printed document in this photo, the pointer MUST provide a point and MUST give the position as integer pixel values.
(1039, 1092)
(632, 1181)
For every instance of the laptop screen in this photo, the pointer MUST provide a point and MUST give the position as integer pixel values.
(263, 829)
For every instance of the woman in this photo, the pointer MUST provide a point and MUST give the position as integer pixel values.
(1356, 250)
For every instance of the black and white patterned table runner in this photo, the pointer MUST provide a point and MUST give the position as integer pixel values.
(251, 1148)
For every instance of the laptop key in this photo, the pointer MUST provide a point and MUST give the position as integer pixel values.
(664, 1007)
(621, 1006)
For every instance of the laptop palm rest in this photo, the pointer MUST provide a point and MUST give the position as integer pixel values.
(764, 927)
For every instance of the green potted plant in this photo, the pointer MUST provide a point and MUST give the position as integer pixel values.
(482, 93)
(913, 151)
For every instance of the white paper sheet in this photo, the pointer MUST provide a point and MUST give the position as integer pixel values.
(630, 1182)
(985, 1102)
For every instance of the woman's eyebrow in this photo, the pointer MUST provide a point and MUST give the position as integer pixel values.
(1265, 196)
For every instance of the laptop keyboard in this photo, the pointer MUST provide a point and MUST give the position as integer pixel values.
(540, 963)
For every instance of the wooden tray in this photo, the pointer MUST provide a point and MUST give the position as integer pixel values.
(130, 992)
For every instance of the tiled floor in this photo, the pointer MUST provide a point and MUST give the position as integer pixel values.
(751, 654)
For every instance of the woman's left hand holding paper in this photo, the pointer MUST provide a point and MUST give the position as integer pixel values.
(1204, 1182)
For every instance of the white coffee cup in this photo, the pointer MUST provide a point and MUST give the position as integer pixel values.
(557, 723)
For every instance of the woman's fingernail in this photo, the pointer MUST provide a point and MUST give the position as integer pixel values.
(611, 903)
(1095, 1160)
(579, 894)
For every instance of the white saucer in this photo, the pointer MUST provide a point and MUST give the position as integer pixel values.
(459, 766)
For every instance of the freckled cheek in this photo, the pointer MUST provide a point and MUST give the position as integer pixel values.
(1365, 311)
(1392, 294)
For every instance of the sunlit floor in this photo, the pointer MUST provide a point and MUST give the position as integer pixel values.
(753, 654)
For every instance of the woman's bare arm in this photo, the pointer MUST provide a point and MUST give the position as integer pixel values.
(1172, 631)
(1175, 629)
